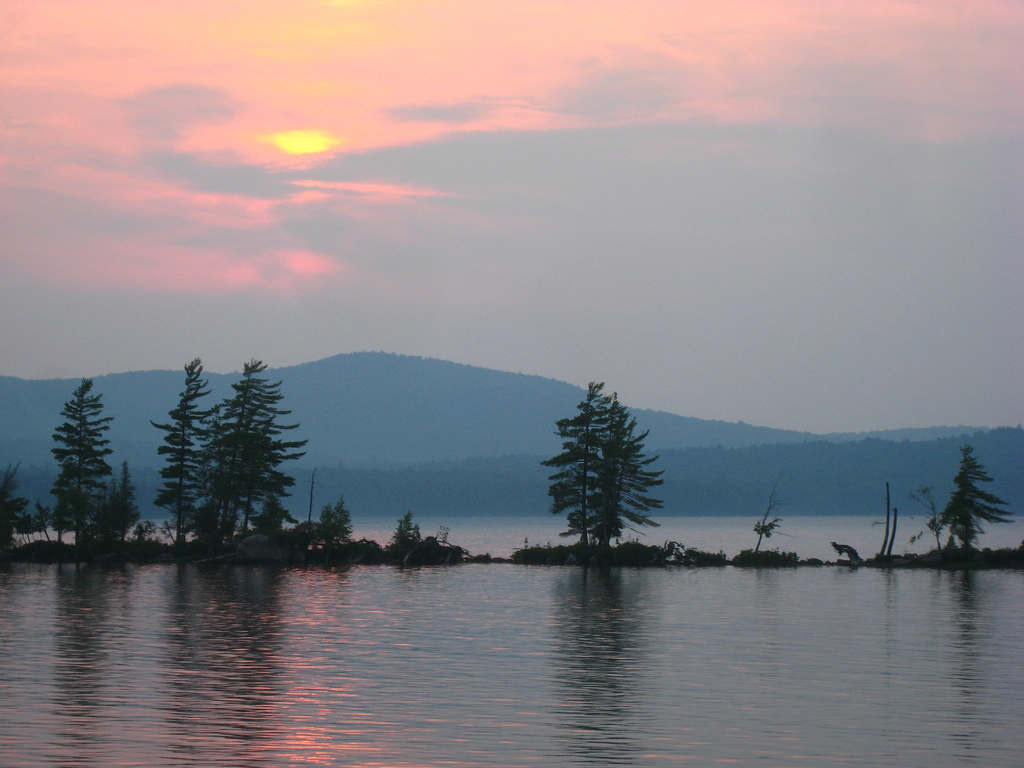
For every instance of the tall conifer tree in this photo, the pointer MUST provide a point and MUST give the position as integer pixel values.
(625, 476)
(602, 473)
(575, 485)
(183, 437)
(250, 449)
(81, 452)
(969, 505)
(119, 512)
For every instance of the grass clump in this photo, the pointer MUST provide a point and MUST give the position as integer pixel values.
(627, 553)
(697, 558)
(766, 558)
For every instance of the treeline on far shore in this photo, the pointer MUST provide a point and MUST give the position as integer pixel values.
(817, 479)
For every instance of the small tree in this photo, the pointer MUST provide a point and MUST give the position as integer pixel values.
(969, 505)
(145, 530)
(206, 524)
(763, 527)
(26, 526)
(41, 521)
(934, 524)
(336, 524)
(406, 535)
(81, 451)
(272, 517)
(12, 507)
(119, 512)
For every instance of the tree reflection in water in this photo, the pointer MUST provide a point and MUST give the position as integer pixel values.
(597, 666)
(966, 669)
(498, 666)
(225, 645)
(90, 604)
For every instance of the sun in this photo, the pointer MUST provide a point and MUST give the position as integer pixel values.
(305, 142)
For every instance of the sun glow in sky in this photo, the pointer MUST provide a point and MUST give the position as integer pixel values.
(786, 212)
(310, 142)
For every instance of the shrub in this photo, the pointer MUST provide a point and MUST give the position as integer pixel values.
(405, 537)
(696, 557)
(548, 555)
(768, 558)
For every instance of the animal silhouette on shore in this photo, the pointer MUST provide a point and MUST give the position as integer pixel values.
(846, 549)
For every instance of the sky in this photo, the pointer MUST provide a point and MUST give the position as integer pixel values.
(794, 213)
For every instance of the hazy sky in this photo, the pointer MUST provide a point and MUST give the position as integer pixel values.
(798, 213)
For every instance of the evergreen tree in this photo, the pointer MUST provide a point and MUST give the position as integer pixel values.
(272, 517)
(81, 452)
(603, 475)
(206, 524)
(39, 522)
(12, 507)
(624, 475)
(406, 535)
(576, 483)
(969, 505)
(335, 527)
(214, 479)
(247, 446)
(119, 512)
(182, 447)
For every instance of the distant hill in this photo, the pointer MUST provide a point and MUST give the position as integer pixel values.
(814, 478)
(368, 410)
(395, 433)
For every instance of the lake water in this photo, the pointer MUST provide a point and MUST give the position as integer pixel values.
(504, 665)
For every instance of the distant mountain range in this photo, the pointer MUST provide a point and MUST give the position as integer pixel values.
(394, 433)
(372, 409)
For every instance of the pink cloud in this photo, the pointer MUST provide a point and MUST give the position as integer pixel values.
(124, 265)
(377, 192)
(360, 71)
(100, 228)
(306, 264)
(89, 96)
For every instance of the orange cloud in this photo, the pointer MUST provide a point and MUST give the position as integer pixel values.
(350, 68)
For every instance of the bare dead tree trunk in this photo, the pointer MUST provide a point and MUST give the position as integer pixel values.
(895, 514)
(885, 541)
(312, 481)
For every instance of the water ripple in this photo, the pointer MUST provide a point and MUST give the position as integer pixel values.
(507, 666)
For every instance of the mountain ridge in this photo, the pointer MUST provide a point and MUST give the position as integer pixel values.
(378, 409)
(394, 433)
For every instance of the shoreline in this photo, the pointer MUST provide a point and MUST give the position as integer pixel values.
(432, 553)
